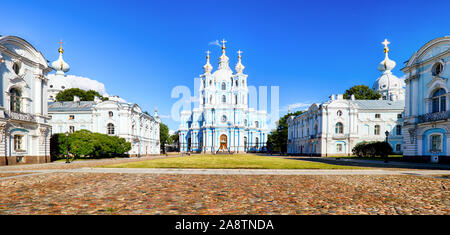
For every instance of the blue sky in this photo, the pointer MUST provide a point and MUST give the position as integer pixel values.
(141, 50)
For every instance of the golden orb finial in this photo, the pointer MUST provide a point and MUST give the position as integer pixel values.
(61, 50)
(223, 45)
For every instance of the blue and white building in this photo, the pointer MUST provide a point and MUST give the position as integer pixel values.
(334, 127)
(426, 127)
(223, 121)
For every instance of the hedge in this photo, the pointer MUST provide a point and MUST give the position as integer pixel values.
(372, 149)
(86, 144)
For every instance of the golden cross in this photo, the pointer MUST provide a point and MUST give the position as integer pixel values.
(239, 53)
(386, 43)
(60, 50)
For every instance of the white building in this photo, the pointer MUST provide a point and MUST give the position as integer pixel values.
(223, 122)
(334, 127)
(109, 117)
(426, 128)
(24, 129)
(113, 117)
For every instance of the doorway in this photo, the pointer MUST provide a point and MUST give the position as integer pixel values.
(223, 142)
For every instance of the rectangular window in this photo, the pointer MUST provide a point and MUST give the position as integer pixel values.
(377, 115)
(443, 104)
(435, 143)
(71, 129)
(377, 130)
(18, 142)
(435, 105)
(399, 115)
(339, 148)
(399, 130)
(71, 117)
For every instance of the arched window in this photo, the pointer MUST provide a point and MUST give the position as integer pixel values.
(376, 131)
(439, 101)
(245, 122)
(339, 128)
(224, 118)
(110, 128)
(210, 99)
(224, 99)
(257, 142)
(339, 113)
(256, 124)
(210, 82)
(15, 100)
(235, 99)
(224, 86)
(111, 114)
(204, 83)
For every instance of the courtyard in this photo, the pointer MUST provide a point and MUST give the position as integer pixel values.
(84, 188)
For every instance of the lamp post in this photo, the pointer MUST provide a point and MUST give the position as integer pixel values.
(67, 149)
(386, 155)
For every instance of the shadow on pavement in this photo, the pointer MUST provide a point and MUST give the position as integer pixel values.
(372, 163)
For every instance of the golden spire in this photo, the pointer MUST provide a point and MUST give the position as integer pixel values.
(60, 50)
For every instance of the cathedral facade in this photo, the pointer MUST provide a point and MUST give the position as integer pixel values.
(334, 127)
(426, 126)
(24, 128)
(223, 121)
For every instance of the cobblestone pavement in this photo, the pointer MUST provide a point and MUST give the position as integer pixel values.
(114, 193)
(78, 163)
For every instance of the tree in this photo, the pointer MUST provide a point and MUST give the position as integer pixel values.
(277, 138)
(163, 135)
(68, 94)
(362, 92)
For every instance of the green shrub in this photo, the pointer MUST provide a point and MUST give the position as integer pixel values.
(86, 144)
(372, 149)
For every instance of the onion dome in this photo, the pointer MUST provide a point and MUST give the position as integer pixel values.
(207, 67)
(387, 64)
(239, 67)
(60, 65)
(388, 85)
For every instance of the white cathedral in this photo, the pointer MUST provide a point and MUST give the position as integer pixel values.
(223, 121)
(337, 125)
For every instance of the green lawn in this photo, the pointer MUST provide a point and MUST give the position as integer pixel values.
(236, 161)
